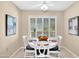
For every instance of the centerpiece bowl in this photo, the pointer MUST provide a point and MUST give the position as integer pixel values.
(42, 38)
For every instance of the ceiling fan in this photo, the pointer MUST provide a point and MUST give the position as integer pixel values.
(44, 5)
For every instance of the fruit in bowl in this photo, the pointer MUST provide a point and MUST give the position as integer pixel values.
(42, 38)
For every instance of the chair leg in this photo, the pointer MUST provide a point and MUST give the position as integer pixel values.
(58, 55)
(24, 53)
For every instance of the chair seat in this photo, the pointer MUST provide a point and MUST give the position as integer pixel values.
(54, 49)
(29, 48)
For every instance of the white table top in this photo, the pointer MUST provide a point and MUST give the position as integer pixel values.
(43, 44)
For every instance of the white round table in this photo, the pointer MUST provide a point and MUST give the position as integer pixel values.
(43, 45)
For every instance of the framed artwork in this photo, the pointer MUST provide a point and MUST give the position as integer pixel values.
(73, 24)
(10, 25)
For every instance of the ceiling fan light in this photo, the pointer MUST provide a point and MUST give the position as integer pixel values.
(44, 7)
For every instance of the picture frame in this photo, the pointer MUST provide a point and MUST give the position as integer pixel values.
(73, 25)
(10, 25)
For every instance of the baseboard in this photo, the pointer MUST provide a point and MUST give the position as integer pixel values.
(15, 52)
(70, 51)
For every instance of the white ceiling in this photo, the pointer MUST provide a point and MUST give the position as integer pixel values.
(35, 5)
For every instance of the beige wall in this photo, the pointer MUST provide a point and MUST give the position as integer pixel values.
(8, 44)
(71, 41)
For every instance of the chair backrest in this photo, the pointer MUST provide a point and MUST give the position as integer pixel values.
(25, 40)
(59, 41)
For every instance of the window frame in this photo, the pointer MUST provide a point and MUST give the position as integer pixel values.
(29, 26)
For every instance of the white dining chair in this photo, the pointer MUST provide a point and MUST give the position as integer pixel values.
(56, 50)
(27, 52)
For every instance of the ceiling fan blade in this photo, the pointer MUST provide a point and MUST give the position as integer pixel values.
(36, 6)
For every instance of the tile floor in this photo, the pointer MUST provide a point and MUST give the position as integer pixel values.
(63, 54)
